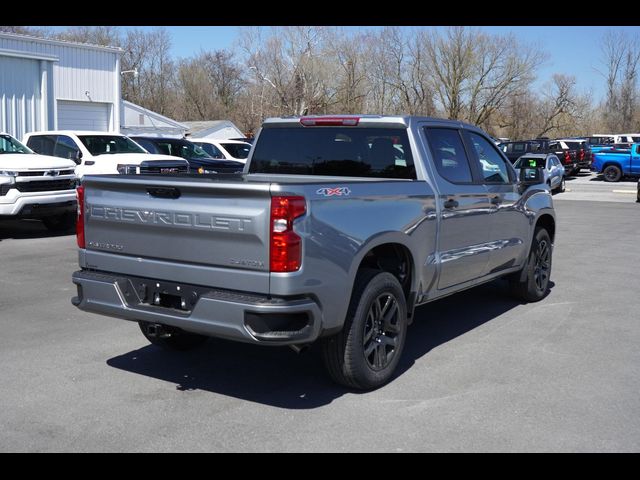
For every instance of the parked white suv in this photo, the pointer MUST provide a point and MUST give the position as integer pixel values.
(227, 149)
(98, 153)
(36, 186)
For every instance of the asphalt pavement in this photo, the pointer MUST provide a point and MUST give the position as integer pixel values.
(480, 372)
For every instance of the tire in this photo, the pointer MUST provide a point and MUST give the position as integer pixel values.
(352, 359)
(175, 339)
(561, 188)
(612, 173)
(60, 223)
(531, 284)
(574, 172)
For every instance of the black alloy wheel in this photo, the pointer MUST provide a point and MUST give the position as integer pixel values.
(542, 266)
(380, 339)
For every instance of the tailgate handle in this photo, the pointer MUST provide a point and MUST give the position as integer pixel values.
(164, 192)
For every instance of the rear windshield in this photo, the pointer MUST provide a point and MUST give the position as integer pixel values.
(334, 151)
(524, 162)
(574, 145)
(109, 144)
(237, 150)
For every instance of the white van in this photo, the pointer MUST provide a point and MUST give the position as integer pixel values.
(97, 153)
(36, 186)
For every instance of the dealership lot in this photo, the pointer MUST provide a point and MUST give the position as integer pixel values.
(480, 371)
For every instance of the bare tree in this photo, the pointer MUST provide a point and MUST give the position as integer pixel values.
(558, 109)
(22, 30)
(100, 35)
(621, 56)
(149, 54)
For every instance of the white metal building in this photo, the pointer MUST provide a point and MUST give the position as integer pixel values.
(217, 129)
(142, 121)
(54, 85)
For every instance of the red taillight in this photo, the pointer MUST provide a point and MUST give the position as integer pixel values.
(581, 154)
(80, 219)
(330, 121)
(567, 157)
(286, 245)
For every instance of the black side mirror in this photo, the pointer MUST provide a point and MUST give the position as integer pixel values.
(78, 157)
(530, 176)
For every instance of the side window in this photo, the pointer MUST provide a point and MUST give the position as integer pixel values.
(211, 150)
(146, 144)
(638, 149)
(42, 144)
(492, 165)
(449, 154)
(519, 147)
(65, 148)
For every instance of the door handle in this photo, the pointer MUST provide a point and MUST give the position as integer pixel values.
(451, 203)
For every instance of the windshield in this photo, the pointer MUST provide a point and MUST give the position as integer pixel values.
(181, 148)
(237, 150)
(334, 151)
(109, 144)
(8, 144)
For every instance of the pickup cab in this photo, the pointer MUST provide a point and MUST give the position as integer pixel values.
(338, 228)
(615, 163)
(36, 186)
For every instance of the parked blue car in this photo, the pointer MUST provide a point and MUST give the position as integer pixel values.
(613, 164)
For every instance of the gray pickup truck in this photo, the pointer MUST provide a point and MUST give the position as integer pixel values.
(337, 229)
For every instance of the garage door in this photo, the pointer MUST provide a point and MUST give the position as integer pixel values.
(83, 116)
(19, 96)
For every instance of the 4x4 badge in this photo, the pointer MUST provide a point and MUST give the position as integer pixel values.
(331, 192)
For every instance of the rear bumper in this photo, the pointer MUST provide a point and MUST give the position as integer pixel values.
(226, 314)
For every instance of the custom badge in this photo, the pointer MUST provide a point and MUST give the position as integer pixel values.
(334, 192)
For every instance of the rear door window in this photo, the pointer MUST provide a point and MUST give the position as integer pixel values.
(449, 154)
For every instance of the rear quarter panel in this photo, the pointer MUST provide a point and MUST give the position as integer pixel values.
(338, 231)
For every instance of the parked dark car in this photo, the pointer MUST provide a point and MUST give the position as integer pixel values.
(199, 160)
(584, 153)
(567, 156)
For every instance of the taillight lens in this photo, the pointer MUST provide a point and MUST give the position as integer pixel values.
(80, 220)
(567, 157)
(286, 245)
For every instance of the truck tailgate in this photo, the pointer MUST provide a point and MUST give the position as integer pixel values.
(196, 230)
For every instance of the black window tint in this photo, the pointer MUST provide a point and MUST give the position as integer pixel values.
(519, 147)
(210, 149)
(492, 165)
(42, 144)
(237, 150)
(335, 151)
(146, 144)
(65, 148)
(449, 154)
